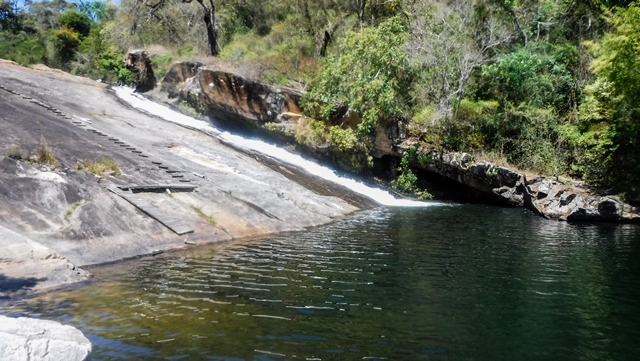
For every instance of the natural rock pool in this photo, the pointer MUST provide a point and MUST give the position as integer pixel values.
(448, 282)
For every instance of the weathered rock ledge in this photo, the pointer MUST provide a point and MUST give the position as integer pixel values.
(546, 196)
(253, 104)
(31, 339)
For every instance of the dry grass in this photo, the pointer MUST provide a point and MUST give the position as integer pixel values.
(101, 167)
(71, 210)
(45, 156)
(205, 217)
(17, 152)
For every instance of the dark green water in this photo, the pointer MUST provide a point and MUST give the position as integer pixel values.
(441, 283)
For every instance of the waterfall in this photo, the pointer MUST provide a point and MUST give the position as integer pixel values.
(379, 195)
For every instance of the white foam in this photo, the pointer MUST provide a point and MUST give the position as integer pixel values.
(379, 195)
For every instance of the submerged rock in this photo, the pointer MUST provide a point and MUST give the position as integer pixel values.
(31, 339)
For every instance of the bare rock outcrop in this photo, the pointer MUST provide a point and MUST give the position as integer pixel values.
(31, 339)
(139, 63)
(544, 195)
(214, 92)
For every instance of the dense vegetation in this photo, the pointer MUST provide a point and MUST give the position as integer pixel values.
(551, 86)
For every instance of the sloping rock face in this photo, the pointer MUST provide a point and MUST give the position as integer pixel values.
(30, 339)
(57, 217)
(247, 102)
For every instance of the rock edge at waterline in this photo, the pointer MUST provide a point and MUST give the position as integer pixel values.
(25, 339)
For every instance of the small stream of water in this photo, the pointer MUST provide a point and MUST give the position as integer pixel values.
(381, 196)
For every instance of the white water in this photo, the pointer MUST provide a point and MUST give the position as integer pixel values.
(379, 195)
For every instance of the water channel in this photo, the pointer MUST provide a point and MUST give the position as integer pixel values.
(447, 282)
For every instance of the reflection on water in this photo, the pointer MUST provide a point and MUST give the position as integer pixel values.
(444, 283)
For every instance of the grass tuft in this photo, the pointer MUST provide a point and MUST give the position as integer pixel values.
(101, 167)
(45, 156)
(73, 208)
(17, 153)
(205, 217)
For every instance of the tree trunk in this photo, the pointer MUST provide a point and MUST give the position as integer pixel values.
(325, 43)
(210, 22)
(361, 13)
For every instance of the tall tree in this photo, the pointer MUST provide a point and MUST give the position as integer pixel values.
(210, 23)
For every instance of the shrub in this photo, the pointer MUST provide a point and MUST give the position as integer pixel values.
(65, 44)
(343, 139)
(76, 21)
(372, 76)
(407, 181)
(160, 63)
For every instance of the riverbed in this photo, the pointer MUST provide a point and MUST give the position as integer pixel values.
(447, 282)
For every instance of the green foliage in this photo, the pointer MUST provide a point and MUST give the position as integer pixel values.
(311, 132)
(160, 63)
(76, 21)
(535, 90)
(344, 139)
(608, 133)
(537, 74)
(284, 56)
(371, 76)
(407, 181)
(95, 10)
(617, 55)
(65, 44)
(99, 58)
(20, 38)
(24, 48)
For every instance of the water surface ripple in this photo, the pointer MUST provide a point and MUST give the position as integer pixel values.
(439, 283)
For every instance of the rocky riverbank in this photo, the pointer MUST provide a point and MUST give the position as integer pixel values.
(230, 98)
(85, 179)
(25, 339)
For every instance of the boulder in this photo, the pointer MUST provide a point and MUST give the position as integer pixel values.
(139, 63)
(217, 92)
(31, 339)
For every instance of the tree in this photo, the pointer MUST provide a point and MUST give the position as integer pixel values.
(372, 76)
(96, 10)
(210, 23)
(167, 20)
(76, 21)
(608, 134)
(449, 42)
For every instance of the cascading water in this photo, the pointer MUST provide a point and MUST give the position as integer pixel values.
(379, 195)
